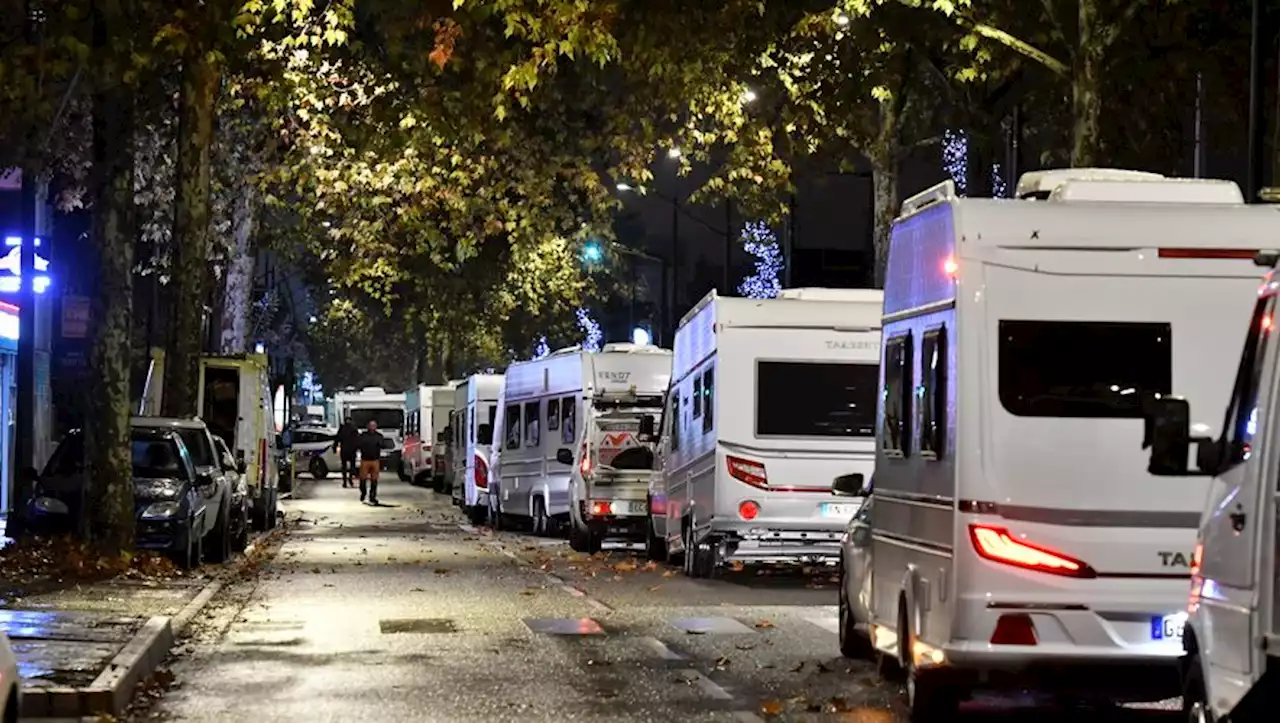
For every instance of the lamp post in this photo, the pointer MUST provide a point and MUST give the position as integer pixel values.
(1253, 183)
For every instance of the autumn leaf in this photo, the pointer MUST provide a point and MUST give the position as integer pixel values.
(764, 624)
(771, 707)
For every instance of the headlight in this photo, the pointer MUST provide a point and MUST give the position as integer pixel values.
(51, 506)
(156, 489)
(161, 510)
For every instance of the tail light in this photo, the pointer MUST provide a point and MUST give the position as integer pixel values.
(482, 473)
(748, 471)
(601, 508)
(1016, 629)
(748, 510)
(997, 545)
(584, 465)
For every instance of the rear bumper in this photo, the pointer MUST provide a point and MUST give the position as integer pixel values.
(1084, 672)
(754, 541)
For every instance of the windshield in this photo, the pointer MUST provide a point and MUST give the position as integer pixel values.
(197, 441)
(156, 458)
(1083, 368)
(618, 444)
(816, 399)
(68, 458)
(221, 401)
(387, 419)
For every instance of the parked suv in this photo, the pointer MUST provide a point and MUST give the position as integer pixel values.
(183, 494)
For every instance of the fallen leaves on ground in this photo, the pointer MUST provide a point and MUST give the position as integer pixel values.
(441, 571)
(771, 707)
(68, 559)
(764, 625)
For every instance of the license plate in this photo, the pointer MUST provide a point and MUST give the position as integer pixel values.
(635, 507)
(838, 509)
(1168, 627)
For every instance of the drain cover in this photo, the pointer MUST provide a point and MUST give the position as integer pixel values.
(417, 625)
(564, 626)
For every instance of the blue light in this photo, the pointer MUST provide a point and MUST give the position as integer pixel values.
(592, 253)
(17, 241)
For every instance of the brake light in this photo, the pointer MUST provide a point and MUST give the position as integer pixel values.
(482, 473)
(1014, 629)
(950, 267)
(601, 508)
(997, 545)
(748, 510)
(748, 471)
(1208, 253)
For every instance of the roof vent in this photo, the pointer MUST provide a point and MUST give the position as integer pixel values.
(373, 390)
(870, 296)
(1039, 184)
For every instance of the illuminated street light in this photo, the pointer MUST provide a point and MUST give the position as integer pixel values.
(842, 20)
(624, 187)
(592, 253)
(749, 96)
(640, 336)
(673, 153)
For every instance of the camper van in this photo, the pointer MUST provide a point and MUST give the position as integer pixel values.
(475, 407)
(574, 445)
(1017, 537)
(1231, 641)
(426, 411)
(770, 400)
(377, 405)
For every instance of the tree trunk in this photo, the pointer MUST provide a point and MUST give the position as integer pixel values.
(201, 76)
(1086, 88)
(979, 164)
(885, 182)
(239, 280)
(111, 494)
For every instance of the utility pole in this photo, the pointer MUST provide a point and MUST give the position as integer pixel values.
(1256, 65)
(24, 445)
(728, 247)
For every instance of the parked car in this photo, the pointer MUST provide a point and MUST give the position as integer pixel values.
(182, 500)
(313, 450)
(11, 693)
(241, 500)
(855, 584)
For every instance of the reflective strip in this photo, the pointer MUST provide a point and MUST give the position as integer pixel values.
(1085, 518)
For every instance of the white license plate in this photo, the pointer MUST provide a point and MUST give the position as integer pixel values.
(839, 509)
(630, 507)
(1168, 627)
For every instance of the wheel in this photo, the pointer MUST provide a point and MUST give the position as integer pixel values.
(319, 470)
(541, 523)
(583, 539)
(852, 643)
(187, 556)
(1195, 704)
(273, 497)
(495, 515)
(241, 539)
(699, 557)
(655, 548)
(929, 699)
(401, 472)
(477, 515)
(220, 538)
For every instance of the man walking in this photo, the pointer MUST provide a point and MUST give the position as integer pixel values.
(370, 446)
(346, 442)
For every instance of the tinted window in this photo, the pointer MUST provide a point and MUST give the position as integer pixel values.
(553, 415)
(156, 458)
(532, 420)
(1083, 369)
(708, 399)
(197, 441)
(568, 420)
(897, 396)
(68, 458)
(513, 427)
(1242, 414)
(933, 392)
(221, 402)
(697, 397)
(386, 418)
(675, 419)
(814, 399)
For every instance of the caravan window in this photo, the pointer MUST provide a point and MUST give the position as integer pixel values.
(839, 399)
(896, 434)
(553, 415)
(708, 401)
(933, 392)
(1242, 414)
(697, 397)
(471, 424)
(1083, 368)
(568, 419)
(386, 419)
(675, 418)
(532, 420)
(513, 427)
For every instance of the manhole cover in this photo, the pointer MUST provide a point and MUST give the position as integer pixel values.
(564, 626)
(417, 625)
(710, 626)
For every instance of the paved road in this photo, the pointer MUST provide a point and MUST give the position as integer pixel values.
(404, 613)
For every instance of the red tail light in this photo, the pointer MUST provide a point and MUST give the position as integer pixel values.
(601, 508)
(1014, 630)
(1208, 253)
(482, 473)
(748, 510)
(748, 471)
(996, 544)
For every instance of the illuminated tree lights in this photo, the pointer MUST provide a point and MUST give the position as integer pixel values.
(592, 334)
(759, 241)
(955, 159)
(542, 348)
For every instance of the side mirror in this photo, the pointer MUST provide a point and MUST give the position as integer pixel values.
(564, 455)
(848, 485)
(484, 434)
(1167, 432)
(241, 465)
(646, 428)
(279, 442)
(204, 479)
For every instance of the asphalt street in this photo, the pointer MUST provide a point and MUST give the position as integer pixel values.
(403, 612)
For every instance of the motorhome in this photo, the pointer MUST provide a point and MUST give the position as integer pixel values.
(770, 400)
(475, 408)
(1231, 641)
(1016, 529)
(574, 446)
(427, 411)
(234, 400)
(375, 404)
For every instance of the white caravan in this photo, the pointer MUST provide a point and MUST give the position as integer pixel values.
(427, 412)
(770, 401)
(475, 406)
(1017, 538)
(1232, 640)
(377, 405)
(575, 446)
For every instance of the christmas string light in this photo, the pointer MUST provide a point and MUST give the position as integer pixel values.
(592, 334)
(955, 159)
(542, 348)
(759, 241)
(998, 187)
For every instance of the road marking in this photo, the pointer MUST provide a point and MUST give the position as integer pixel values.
(661, 649)
(573, 591)
(706, 685)
(831, 625)
(597, 604)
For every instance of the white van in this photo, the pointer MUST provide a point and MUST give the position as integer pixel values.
(377, 405)
(475, 406)
(426, 418)
(575, 447)
(1232, 638)
(1016, 537)
(770, 400)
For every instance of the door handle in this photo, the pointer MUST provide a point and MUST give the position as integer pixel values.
(1238, 519)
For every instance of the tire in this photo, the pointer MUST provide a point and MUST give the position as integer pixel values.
(319, 470)
(582, 539)
(189, 555)
(273, 500)
(541, 523)
(495, 516)
(1195, 701)
(928, 698)
(400, 472)
(655, 548)
(852, 643)
(477, 515)
(219, 549)
(240, 540)
(700, 557)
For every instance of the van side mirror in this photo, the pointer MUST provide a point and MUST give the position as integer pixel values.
(241, 465)
(1167, 432)
(204, 479)
(484, 434)
(848, 485)
(646, 428)
(564, 455)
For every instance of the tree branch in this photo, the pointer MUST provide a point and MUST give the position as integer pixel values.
(1057, 30)
(1017, 45)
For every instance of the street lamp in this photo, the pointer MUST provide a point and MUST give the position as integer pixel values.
(749, 96)
(673, 153)
(592, 253)
(640, 336)
(624, 187)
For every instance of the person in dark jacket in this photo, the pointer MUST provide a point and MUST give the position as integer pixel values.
(346, 442)
(370, 446)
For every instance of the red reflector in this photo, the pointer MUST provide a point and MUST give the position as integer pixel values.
(1014, 630)
(997, 545)
(1208, 253)
(600, 508)
(748, 510)
(482, 473)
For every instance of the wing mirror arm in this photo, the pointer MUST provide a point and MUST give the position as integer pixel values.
(1167, 433)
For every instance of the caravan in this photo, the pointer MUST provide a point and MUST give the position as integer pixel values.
(475, 407)
(1016, 536)
(770, 400)
(375, 404)
(427, 412)
(574, 445)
